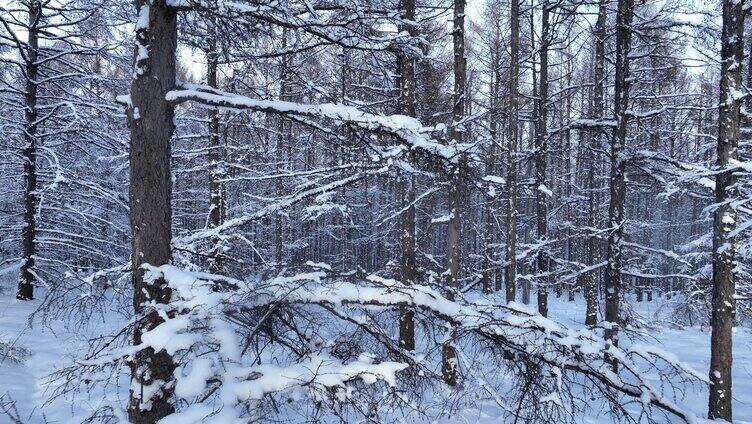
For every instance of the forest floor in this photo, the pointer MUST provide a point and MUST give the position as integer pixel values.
(28, 386)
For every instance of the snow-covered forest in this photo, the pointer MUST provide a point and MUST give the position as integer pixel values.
(375, 211)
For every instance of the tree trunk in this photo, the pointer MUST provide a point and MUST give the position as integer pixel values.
(31, 199)
(490, 198)
(541, 158)
(151, 123)
(279, 224)
(724, 220)
(216, 164)
(572, 249)
(406, 66)
(591, 243)
(449, 355)
(514, 136)
(617, 181)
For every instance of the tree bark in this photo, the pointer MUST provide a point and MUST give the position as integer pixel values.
(541, 159)
(216, 164)
(490, 199)
(591, 243)
(279, 224)
(617, 181)
(449, 355)
(724, 220)
(514, 136)
(31, 199)
(406, 64)
(150, 119)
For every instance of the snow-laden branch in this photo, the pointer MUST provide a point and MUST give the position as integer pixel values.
(332, 22)
(512, 327)
(194, 317)
(270, 209)
(405, 128)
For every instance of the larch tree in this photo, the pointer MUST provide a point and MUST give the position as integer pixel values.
(31, 199)
(407, 93)
(514, 137)
(456, 137)
(542, 191)
(595, 135)
(150, 118)
(725, 216)
(618, 162)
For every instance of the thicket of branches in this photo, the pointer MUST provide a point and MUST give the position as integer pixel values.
(308, 197)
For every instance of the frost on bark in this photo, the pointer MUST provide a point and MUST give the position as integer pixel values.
(406, 65)
(29, 153)
(150, 119)
(724, 220)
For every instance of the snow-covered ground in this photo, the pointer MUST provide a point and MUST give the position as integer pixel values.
(53, 346)
(690, 344)
(26, 389)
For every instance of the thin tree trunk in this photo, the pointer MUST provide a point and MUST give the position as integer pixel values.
(724, 221)
(490, 199)
(216, 165)
(514, 136)
(449, 355)
(569, 181)
(31, 200)
(541, 159)
(284, 81)
(407, 237)
(617, 182)
(151, 123)
(591, 243)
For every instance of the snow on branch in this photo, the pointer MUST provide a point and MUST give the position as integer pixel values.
(406, 129)
(331, 23)
(196, 316)
(213, 376)
(272, 209)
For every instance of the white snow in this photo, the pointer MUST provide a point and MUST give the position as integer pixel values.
(406, 128)
(27, 384)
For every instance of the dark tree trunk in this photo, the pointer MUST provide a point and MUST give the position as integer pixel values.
(407, 236)
(216, 165)
(571, 246)
(591, 243)
(514, 136)
(31, 200)
(279, 222)
(151, 123)
(449, 355)
(617, 181)
(490, 199)
(541, 159)
(724, 220)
